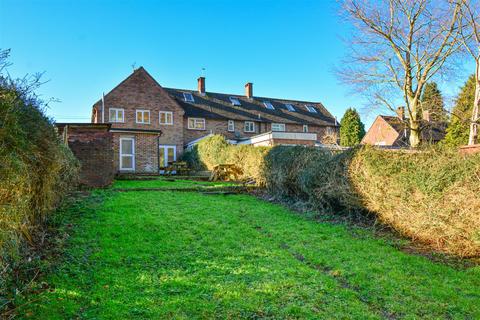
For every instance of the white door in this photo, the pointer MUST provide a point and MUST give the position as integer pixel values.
(127, 154)
(167, 154)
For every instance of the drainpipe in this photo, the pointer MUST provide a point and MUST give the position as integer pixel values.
(103, 107)
(158, 154)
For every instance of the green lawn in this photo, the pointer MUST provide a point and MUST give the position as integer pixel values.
(188, 255)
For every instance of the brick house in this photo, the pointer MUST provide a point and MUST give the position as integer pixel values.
(151, 125)
(393, 131)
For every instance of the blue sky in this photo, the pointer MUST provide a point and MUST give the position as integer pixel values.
(288, 49)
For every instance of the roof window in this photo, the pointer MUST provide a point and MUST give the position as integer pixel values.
(289, 107)
(268, 105)
(235, 101)
(311, 108)
(188, 97)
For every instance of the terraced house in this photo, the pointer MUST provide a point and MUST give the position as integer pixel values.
(152, 125)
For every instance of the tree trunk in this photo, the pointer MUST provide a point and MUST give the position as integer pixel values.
(414, 123)
(472, 138)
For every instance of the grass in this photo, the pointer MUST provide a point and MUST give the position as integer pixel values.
(168, 183)
(186, 255)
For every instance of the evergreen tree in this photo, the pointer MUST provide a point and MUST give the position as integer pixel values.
(352, 129)
(432, 101)
(459, 126)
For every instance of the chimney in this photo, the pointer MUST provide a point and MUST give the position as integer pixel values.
(201, 85)
(426, 115)
(401, 113)
(249, 90)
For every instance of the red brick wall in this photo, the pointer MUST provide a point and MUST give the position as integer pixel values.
(146, 152)
(470, 149)
(92, 146)
(140, 91)
(380, 131)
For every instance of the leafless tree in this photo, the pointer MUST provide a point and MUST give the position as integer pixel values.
(398, 47)
(470, 31)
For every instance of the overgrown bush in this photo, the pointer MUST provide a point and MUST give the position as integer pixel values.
(316, 176)
(215, 150)
(430, 196)
(36, 168)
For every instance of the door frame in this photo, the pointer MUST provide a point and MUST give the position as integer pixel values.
(132, 155)
(165, 154)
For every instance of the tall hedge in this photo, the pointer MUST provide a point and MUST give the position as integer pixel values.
(36, 168)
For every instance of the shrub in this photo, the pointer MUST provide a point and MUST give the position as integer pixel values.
(431, 196)
(215, 150)
(36, 169)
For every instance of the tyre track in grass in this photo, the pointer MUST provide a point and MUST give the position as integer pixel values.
(326, 270)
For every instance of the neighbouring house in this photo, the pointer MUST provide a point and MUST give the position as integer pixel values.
(152, 125)
(393, 131)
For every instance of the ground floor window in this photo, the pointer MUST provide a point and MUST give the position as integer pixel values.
(127, 154)
(231, 125)
(167, 155)
(249, 126)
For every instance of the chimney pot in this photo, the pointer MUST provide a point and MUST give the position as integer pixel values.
(201, 85)
(249, 90)
(401, 113)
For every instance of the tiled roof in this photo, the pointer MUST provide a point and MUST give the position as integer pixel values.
(218, 106)
(431, 130)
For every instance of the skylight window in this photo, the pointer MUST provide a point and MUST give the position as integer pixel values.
(268, 105)
(311, 109)
(289, 107)
(188, 97)
(235, 101)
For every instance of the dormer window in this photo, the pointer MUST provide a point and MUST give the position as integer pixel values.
(235, 101)
(188, 97)
(311, 108)
(268, 105)
(289, 107)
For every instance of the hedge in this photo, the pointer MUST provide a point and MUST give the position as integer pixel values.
(430, 196)
(36, 171)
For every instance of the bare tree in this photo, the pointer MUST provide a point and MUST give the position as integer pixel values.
(470, 31)
(398, 47)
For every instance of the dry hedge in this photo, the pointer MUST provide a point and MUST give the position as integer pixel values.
(36, 171)
(431, 196)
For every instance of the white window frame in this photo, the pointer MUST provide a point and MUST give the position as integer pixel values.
(142, 111)
(117, 110)
(188, 94)
(311, 108)
(290, 107)
(195, 120)
(268, 105)
(248, 123)
(166, 117)
(235, 101)
(165, 155)
(280, 127)
(305, 128)
(127, 155)
(231, 126)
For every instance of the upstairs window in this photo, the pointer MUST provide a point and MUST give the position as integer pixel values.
(278, 126)
(116, 115)
(196, 123)
(143, 116)
(290, 107)
(305, 128)
(188, 97)
(311, 108)
(268, 105)
(231, 125)
(165, 117)
(249, 126)
(235, 101)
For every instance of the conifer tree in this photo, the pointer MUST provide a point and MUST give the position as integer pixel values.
(432, 101)
(352, 129)
(459, 126)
